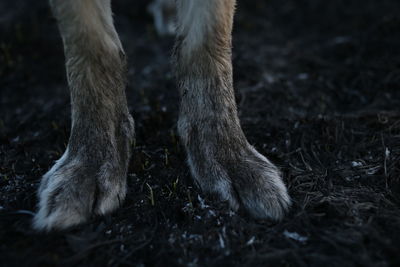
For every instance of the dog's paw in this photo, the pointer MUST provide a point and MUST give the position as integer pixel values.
(246, 179)
(73, 190)
(87, 180)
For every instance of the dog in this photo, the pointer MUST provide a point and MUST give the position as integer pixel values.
(90, 177)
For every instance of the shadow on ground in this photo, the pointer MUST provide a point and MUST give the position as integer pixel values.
(317, 85)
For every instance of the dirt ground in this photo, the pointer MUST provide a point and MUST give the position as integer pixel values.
(318, 91)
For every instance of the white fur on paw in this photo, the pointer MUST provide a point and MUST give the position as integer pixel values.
(269, 199)
(62, 215)
(253, 183)
(68, 196)
(112, 194)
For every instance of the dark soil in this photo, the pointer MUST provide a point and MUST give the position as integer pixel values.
(318, 90)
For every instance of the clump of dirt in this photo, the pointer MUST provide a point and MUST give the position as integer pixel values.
(317, 86)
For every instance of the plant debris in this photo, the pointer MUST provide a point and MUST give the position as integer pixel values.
(318, 89)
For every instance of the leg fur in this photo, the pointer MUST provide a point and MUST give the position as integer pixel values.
(220, 158)
(90, 178)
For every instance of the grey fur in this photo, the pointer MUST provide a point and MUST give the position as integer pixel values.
(220, 158)
(90, 178)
